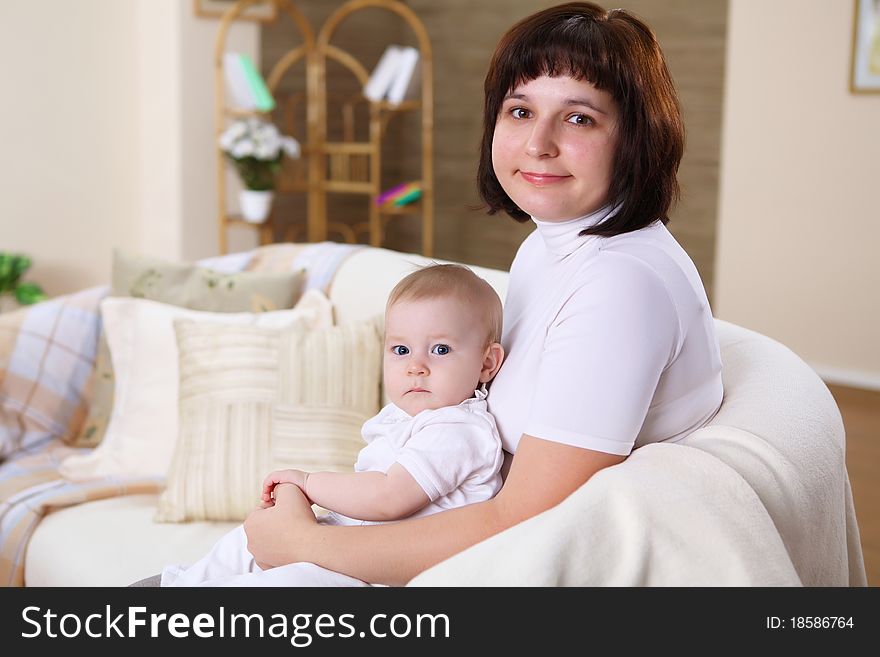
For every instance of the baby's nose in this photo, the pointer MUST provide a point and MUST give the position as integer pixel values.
(417, 366)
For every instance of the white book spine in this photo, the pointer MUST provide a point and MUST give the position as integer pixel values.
(383, 74)
(406, 68)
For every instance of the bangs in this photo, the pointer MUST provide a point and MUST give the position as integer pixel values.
(576, 48)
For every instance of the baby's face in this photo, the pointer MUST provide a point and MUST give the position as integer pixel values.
(434, 351)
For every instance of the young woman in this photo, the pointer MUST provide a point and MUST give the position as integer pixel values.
(609, 337)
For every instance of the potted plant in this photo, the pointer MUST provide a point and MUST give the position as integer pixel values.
(14, 291)
(256, 148)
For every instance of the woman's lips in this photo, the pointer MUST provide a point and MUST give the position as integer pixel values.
(541, 179)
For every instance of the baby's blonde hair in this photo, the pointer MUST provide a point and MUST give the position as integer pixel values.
(457, 281)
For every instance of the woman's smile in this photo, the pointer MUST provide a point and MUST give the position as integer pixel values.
(542, 179)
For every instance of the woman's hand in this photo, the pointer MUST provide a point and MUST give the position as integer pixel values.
(273, 531)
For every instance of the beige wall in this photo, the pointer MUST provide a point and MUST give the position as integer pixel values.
(199, 236)
(70, 134)
(799, 211)
(107, 126)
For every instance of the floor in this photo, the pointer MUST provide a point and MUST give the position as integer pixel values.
(861, 418)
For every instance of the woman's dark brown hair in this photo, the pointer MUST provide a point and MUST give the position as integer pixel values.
(619, 54)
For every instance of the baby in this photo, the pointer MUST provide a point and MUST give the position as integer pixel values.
(434, 447)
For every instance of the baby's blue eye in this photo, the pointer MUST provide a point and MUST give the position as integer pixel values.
(440, 349)
(400, 350)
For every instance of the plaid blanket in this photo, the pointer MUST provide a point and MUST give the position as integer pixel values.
(30, 488)
(47, 354)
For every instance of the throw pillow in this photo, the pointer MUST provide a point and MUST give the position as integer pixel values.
(253, 400)
(143, 425)
(187, 286)
(190, 286)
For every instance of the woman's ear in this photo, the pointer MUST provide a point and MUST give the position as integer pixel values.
(491, 362)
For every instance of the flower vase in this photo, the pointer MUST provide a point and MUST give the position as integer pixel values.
(255, 205)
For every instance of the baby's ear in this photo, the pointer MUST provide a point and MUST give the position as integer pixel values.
(492, 362)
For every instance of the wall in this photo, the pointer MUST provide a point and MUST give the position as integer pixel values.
(198, 155)
(799, 216)
(70, 171)
(108, 127)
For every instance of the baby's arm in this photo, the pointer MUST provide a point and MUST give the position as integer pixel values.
(367, 495)
(276, 477)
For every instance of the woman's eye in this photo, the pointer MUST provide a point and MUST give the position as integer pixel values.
(520, 113)
(399, 350)
(580, 119)
(440, 349)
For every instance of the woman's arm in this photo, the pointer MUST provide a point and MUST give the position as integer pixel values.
(543, 473)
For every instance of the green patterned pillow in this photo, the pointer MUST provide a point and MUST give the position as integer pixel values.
(188, 286)
(196, 288)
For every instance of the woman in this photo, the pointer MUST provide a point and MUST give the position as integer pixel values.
(609, 335)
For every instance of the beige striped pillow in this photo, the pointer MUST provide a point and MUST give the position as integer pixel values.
(253, 400)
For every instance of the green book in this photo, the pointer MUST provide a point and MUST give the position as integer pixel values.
(414, 195)
(261, 93)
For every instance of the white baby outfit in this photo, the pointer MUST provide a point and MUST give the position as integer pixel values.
(453, 453)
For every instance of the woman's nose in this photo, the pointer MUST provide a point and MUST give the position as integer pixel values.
(542, 141)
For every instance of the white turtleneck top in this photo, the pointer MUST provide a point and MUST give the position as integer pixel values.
(610, 342)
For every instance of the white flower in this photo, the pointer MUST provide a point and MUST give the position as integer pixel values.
(268, 131)
(290, 146)
(242, 148)
(255, 137)
(265, 151)
(232, 134)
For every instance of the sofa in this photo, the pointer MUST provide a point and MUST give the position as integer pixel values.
(758, 497)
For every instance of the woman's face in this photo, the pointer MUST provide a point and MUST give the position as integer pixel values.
(553, 147)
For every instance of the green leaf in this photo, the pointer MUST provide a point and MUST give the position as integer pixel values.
(29, 293)
(20, 264)
(7, 279)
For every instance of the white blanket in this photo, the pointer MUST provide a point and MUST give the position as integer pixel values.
(759, 497)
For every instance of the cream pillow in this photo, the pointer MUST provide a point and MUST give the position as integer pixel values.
(253, 400)
(189, 286)
(142, 429)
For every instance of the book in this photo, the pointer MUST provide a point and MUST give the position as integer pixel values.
(383, 75)
(410, 197)
(400, 195)
(246, 85)
(388, 194)
(405, 77)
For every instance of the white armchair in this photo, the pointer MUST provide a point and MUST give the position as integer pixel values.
(760, 496)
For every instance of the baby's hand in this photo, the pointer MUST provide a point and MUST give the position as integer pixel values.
(297, 477)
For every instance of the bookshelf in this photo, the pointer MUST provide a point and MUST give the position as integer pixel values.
(333, 164)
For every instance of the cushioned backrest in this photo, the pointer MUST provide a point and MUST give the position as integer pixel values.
(780, 429)
(363, 282)
(765, 374)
